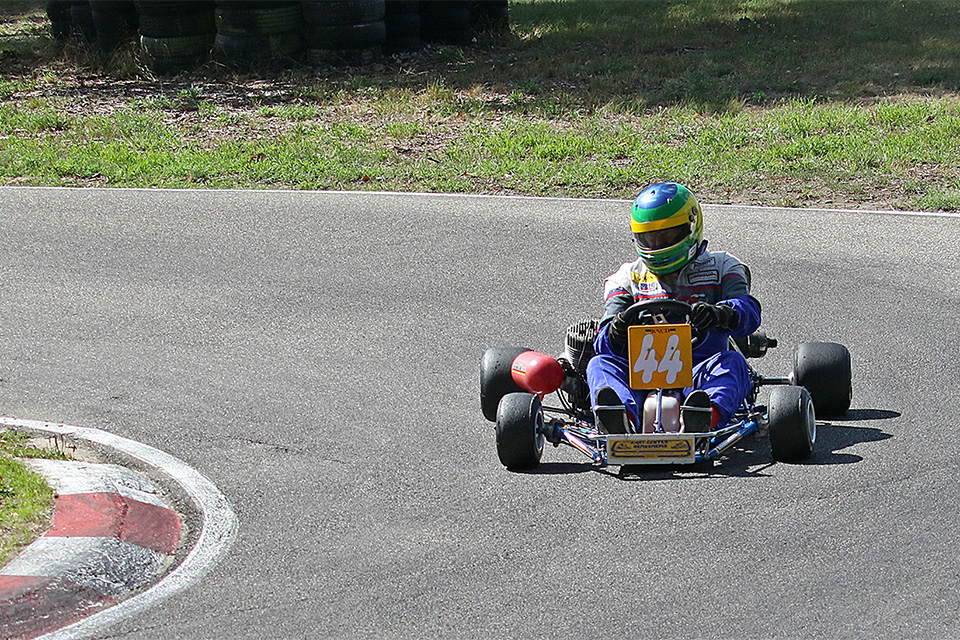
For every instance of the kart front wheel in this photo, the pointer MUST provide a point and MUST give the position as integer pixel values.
(793, 424)
(519, 431)
(824, 369)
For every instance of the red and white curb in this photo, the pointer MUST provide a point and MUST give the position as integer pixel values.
(112, 535)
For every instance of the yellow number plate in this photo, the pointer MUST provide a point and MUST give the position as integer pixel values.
(661, 356)
(650, 449)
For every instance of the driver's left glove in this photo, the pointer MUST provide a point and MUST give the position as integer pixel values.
(617, 330)
(705, 316)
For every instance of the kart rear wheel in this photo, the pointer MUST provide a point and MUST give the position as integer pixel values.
(495, 378)
(824, 369)
(793, 424)
(519, 431)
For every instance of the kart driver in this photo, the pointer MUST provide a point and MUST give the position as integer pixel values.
(674, 262)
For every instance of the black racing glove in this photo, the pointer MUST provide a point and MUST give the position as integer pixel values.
(617, 331)
(705, 316)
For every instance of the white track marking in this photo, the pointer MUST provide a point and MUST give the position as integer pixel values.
(486, 196)
(69, 477)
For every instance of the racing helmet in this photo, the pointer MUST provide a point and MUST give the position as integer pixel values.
(667, 225)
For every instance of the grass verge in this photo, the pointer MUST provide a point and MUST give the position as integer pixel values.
(849, 103)
(26, 500)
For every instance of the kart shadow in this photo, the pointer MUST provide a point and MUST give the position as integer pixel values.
(858, 415)
(558, 468)
(751, 458)
(833, 436)
(740, 461)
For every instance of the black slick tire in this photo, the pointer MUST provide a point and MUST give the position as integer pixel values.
(792, 424)
(183, 47)
(259, 21)
(177, 25)
(58, 11)
(255, 48)
(348, 36)
(824, 368)
(519, 431)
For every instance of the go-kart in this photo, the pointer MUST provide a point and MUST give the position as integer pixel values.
(514, 382)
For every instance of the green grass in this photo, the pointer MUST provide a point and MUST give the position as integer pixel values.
(792, 102)
(849, 150)
(26, 500)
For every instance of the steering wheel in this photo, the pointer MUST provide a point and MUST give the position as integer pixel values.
(646, 312)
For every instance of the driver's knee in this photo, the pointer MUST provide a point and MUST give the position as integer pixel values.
(724, 363)
(725, 377)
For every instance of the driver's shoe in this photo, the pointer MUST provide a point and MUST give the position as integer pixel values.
(610, 412)
(696, 414)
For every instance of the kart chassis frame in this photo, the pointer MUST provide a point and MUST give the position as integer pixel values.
(582, 434)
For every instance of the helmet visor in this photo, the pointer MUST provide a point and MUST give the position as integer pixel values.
(662, 238)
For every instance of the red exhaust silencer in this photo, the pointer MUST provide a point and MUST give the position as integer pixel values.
(536, 372)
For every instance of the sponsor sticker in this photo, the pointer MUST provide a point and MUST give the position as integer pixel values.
(709, 276)
(650, 449)
(646, 277)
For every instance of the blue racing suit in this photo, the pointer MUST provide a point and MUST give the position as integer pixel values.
(713, 277)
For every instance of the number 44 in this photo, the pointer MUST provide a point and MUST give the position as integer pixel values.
(648, 364)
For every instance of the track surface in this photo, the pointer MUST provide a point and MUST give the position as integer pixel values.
(316, 356)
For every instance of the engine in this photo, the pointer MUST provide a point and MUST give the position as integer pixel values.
(578, 349)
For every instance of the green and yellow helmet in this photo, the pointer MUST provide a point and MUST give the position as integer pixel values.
(667, 226)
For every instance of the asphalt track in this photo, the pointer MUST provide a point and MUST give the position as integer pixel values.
(315, 356)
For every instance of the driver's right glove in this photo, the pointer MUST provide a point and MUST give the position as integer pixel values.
(617, 331)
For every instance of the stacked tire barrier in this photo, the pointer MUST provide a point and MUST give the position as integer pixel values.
(457, 22)
(175, 35)
(490, 16)
(446, 22)
(402, 23)
(81, 17)
(114, 21)
(344, 31)
(254, 32)
(58, 11)
(104, 22)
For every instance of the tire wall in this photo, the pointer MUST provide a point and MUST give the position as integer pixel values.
(256, 32)
(81, 20)
(114, 22)
(344, 31)
(61, 22)
(457, 22)
(101, 23)
(177, 35)
(446, 22)
(402, 26)
(489, 16)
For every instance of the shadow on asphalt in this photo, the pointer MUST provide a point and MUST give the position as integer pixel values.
(751, 457)
(833, 436)
(559, 468)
